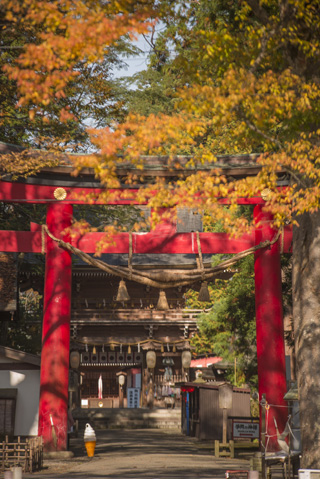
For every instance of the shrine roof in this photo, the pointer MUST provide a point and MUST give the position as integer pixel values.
(233, 165)
(19, 356)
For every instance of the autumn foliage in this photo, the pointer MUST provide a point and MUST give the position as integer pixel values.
(249, 82)
(68, 32)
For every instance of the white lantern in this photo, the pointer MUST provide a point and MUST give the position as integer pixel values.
(151, 359)
(122, 379)
(186, 359)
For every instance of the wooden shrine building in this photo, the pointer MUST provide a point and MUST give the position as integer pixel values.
(135, 344)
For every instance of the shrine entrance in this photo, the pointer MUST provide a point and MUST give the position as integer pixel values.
(168, 332)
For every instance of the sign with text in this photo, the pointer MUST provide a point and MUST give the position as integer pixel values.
(133, 397)
(245, 429)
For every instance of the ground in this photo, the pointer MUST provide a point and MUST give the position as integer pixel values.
(142, 454)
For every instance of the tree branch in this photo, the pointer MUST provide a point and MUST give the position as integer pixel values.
(258, 11)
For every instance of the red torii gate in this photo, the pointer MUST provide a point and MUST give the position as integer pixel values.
(57, 292)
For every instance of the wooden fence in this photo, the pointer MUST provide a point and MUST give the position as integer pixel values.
(27, 454)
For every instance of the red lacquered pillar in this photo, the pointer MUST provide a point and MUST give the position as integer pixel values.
(54, 375)
(270, 332)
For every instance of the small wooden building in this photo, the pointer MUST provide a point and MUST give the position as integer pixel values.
(19, 392)
(201, 415)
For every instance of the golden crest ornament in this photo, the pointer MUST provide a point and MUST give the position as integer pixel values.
(60, 194)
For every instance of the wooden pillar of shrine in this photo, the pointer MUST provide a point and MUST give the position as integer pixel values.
(270, 332)
(54, 374)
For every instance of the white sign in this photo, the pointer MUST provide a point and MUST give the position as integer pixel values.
(133, 397)
(245, 429)
(84, 403)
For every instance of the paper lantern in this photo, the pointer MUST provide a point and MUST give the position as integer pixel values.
(74, 359)
(186, 359)
(151, 359)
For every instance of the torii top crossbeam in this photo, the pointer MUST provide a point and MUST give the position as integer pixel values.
(45, 188)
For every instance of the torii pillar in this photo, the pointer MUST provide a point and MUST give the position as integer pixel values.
(54, 374)
(270, 331)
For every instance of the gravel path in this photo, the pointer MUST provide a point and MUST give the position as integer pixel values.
(141, 454)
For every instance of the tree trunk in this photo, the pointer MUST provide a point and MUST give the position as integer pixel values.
(306, 313)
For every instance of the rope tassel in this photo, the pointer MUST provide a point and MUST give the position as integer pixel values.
(162, 302)
(123, 294)
(204, 295)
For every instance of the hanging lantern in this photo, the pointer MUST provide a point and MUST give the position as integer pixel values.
(112, 347)
(94, 351)
(122, 292)
(129, 349)
(74, 359)
(174, 349)
(162, 302)
(186, 359)
(151, 359)
(204, 295)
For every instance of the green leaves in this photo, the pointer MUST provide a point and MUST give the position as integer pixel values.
(228, 329)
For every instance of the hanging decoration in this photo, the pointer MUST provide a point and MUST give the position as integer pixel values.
(166, 278)
(74, 359)
(151, 359)
(204, 295)
(181, 344)
(162, 302)
(186, 359)
(122, 294)
(100, 387)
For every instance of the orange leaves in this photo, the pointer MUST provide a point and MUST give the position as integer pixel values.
(27, 162)
(68, 32)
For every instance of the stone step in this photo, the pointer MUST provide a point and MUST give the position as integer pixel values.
(129, 418)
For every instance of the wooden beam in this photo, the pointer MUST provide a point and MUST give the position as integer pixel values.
(143, 243)
(15, 192)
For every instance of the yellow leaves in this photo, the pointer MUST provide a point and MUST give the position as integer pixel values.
(68, 32)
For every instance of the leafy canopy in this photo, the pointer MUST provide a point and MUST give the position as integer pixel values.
(229, 328)
(253, 86)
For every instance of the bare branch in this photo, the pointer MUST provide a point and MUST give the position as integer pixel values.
(264, 41)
